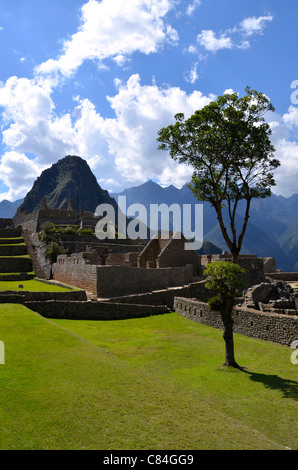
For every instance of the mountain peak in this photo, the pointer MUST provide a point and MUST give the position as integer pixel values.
(69, 178)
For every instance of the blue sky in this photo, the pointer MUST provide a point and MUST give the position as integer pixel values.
(99, 79)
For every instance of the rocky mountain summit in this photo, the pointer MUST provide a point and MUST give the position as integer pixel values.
(69, 179)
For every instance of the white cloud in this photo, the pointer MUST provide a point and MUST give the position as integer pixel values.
(113, 29)
(229, 91)
(286, 174)
(192, 76)
(211, 43)
(291, 118)
(24, 101)
(192, 7)
(284, 128)
(253, 25)
(235, 37)
(140, 112)
(18, 172)
(30, 124)
(122, 149)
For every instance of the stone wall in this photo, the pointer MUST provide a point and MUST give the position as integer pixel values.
(108, 281)
(269, 265)
(26, 220)
(28, 296)
(17, 277)
(73, 270)
(253, 266)
(166, 296)
(162, 253)
(281, 329)
(36, 249)
(33, 221)
(150, 253)
(122, 259)
(15, 265)
(93, 310)
(174, 254)
(290, 277)
(13, 250)
(6, 223)
(10, 232)
(124, 280)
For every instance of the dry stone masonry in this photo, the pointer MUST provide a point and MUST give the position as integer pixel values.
(274, 327)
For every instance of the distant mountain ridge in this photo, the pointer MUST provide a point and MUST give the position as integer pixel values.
(8, 209)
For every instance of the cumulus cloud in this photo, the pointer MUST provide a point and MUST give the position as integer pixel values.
(286, 174)
(113, 30)
(30, 124)
(291, 117)
(140, 112)
(17, 172)
(209, 41)
(284, 131)
(235, 37)
(122, 149)
(254, 25)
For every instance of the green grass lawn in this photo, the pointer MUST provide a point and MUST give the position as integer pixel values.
(17, 256)
(31, 286)
(151, 383)
(12, 244)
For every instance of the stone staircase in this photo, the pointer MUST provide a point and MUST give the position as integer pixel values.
(15, 263)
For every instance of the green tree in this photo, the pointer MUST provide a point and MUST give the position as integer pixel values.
(223, 277)
(54, 249)
(228, 145)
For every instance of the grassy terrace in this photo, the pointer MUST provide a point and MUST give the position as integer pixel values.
(32, 286)
(17, 256)
(152, 383)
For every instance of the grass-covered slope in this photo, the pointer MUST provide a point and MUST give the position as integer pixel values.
(153, 383)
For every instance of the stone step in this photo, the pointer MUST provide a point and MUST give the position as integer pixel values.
(12, 298)
(17, 276)
(11, 241)
(10, 232)
(15, 265)
(13, 250)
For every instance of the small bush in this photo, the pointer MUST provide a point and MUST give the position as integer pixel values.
(53, 250)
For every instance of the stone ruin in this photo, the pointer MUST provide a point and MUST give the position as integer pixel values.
(272, 296)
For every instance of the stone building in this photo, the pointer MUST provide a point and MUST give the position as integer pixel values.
(161, 264)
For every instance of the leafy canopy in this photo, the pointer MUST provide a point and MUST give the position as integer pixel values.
(223, 277)
(228, 144)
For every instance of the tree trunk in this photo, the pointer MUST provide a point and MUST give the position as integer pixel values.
(228, 335)
(235, 257)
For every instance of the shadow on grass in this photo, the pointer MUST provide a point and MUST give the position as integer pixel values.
(289, 388)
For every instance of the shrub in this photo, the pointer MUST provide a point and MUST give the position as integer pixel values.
(54, 249)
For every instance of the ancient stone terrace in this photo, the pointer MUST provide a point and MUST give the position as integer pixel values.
(15, 263)
(33, 221)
